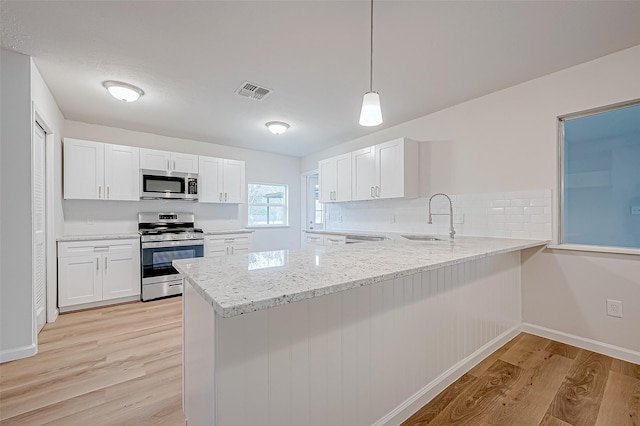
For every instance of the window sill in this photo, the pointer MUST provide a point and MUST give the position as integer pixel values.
(266, 226)
(595, 249)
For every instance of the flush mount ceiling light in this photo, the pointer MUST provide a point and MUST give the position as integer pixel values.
(371, 113)
(277, 127)
(123, 91)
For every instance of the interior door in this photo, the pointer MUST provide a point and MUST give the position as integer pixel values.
(39, 226)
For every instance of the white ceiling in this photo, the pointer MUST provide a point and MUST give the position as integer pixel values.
(190, 57)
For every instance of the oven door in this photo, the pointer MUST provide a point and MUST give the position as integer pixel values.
(157, 258)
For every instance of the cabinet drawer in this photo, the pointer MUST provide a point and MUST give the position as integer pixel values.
(334, 239)
(314, 239)
(227, 239)
(84, 248)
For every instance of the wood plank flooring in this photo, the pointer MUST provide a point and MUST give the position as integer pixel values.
(539, 382)
(121, 365)
(118, 365)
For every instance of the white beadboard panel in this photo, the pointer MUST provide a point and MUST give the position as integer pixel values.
(198, 358)
(362, 356)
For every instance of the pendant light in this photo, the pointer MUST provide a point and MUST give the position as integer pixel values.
(371, 113)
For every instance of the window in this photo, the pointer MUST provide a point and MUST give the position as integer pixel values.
(268, 204)
(600, 177)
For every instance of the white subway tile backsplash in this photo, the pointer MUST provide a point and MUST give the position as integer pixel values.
(514, 210)
(516, 214)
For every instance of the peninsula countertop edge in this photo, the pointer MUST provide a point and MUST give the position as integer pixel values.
(236, 285)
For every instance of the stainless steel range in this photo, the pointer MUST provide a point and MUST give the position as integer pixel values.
(163, 238)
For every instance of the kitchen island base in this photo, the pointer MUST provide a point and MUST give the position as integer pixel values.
(371, 355)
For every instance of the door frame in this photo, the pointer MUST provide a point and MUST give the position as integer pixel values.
(52, 271)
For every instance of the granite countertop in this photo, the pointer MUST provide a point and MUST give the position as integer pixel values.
(229, 231)
(133, 235)
(235, 285)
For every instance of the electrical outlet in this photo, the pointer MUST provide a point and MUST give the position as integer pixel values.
(458, 218)
(91, 220)
(635, 210)
(393, 218)
(614, 308)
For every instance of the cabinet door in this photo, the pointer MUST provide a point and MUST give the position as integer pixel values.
(234, 183)
(363, 173)
(185, 163)
(79, 280)
(210, 180)
(154, 159)
(83, 170)
(121, 172)
(330, 240)
(343, 178)
(390, 169)
(121, 275)
(326, 179)
(313, 240)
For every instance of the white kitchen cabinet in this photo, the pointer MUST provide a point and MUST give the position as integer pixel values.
(386, 170)
(312, 239)
(100, 171)
(221, 180)
(95, 272)
(227, 244)
(334, 179)
(155, 159)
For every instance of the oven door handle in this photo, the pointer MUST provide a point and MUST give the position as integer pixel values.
(161, 244)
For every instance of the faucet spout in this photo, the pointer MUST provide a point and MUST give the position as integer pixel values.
(452, 231)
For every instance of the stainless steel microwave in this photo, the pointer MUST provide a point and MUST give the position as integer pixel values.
(165, 185)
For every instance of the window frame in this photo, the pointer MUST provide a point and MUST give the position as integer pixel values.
(285, 205)
(560, 244)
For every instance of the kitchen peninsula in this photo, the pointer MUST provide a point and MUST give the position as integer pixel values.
(355, 334)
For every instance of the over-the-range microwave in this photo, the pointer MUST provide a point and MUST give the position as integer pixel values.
(165, 185)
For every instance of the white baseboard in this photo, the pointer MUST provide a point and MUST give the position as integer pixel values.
(427, 393)
(17, 353)
(584, 343)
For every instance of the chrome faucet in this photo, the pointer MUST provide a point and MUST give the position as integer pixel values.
(452, 231)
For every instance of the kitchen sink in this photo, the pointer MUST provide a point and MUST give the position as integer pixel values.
(422, 238)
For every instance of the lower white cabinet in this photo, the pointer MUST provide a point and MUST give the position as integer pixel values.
(91, 272)
(312, 239)
(226, 244)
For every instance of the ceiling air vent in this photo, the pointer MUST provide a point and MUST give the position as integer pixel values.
(253, 91)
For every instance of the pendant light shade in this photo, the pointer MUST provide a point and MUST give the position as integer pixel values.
(371, 113)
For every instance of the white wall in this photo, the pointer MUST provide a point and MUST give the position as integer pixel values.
(507, 141)
(17, 329)
(95, 217)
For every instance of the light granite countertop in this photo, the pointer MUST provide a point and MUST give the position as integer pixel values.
(235, 285)
(66, 238)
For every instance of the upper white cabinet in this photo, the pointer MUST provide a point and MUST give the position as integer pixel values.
(334, 179)
(99, 171)
(221, 180)
(156, 159)
(387, 170)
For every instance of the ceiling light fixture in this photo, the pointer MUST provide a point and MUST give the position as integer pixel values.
(123, 91)
(371, 113)
(277, 127)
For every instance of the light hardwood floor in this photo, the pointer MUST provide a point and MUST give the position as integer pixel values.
(121, 365)
(535, 381)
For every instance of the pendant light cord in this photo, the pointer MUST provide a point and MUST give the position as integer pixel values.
(371, 53)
